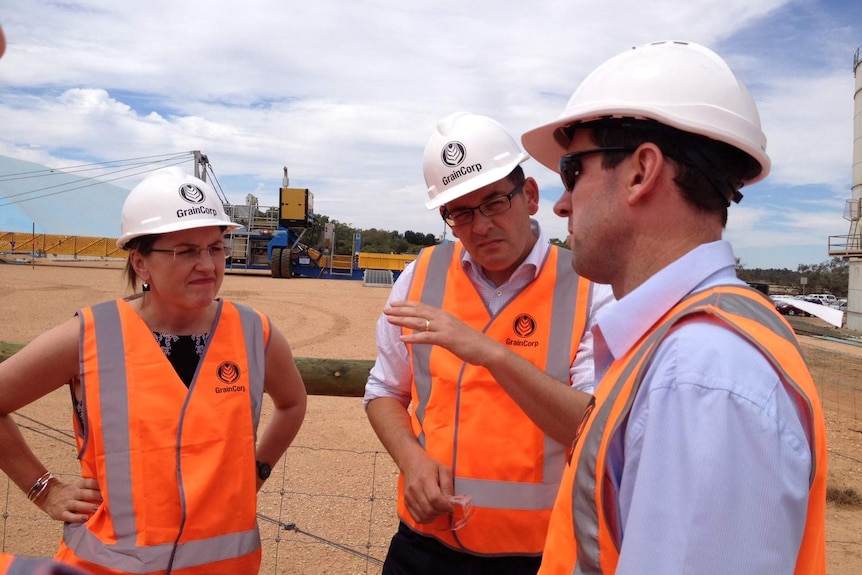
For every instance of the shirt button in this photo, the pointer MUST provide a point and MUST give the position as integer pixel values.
(499, 293)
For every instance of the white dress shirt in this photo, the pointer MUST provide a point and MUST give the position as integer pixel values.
(391, 375)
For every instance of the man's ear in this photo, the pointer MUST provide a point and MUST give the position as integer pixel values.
(645, 171)
(531, 192)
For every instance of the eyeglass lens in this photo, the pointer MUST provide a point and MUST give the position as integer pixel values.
(463, 505)
(571, 165)
(192, 253)
(492, 207)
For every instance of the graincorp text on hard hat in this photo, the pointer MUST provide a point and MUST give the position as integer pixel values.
(196, 210)
(462, 171)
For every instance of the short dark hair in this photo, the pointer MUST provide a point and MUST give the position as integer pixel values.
(517, 176)
(709, 173)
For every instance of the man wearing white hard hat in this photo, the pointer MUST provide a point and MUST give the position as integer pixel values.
(705, 451)
(489, 339)
(166, 388)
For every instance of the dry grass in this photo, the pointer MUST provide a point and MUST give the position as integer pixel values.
(843, 496)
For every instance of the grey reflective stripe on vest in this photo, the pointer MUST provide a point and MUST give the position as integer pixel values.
(503, 494)
(255, 351)
(40, 566)
(432, 294)
(125, 555)
(584, 512)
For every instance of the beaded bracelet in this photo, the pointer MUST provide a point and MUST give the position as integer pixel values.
(39, 486)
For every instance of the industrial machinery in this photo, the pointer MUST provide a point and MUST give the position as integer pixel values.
(271, 238)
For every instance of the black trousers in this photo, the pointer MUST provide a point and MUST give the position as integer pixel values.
(414, 554)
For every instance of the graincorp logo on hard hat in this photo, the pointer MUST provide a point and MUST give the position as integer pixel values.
(464, 153)
(194, 195)
(170, 200)
(452, 155)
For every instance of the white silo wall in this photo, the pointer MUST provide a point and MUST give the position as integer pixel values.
(854, 296)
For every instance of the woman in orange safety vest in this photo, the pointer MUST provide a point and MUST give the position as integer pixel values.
(167, 389)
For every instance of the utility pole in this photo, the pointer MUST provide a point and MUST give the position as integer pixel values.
(201, 163)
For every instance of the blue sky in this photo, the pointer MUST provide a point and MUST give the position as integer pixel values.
(346, 94)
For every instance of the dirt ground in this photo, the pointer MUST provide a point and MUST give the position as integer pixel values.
(336, 450)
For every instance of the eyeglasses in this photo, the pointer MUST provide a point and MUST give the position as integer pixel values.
(192, 253)
(492, 207)
(571, 165)
(463, 505)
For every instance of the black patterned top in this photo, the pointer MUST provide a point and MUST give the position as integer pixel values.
(183, 351)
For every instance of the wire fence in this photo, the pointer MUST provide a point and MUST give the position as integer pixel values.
(329, 506)
(836, 369)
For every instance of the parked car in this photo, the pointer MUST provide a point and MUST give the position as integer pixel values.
(821, 298)
(785, 307)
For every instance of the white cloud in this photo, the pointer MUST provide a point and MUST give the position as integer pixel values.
(346, 94)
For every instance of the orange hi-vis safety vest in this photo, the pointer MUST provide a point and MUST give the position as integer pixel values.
(465, 420)
(583, 535)
(175, 465)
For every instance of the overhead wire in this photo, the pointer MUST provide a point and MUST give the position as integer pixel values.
(86, 167)
(151, 166)
(217, 185)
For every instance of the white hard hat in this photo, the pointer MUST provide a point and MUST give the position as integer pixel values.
(679, 84)
(170, 200)
(465, 153)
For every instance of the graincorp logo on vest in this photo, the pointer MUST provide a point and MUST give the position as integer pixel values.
(462, 171)
(228, 372)
(524, 326)
(196, 210)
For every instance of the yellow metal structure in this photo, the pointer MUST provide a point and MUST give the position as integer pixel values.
(295, 207)
(42, 245)
(394, 262)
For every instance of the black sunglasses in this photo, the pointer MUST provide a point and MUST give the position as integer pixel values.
(571, 165)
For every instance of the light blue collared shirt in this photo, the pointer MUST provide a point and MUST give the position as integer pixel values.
(712, 466)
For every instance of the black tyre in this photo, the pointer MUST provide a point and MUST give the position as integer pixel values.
(286, 264)
(275, 262)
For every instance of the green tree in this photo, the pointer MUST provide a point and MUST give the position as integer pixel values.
(372, 240)
(831, 276)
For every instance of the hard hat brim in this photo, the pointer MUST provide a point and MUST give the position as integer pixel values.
(546, 144)
(473, 184)
(123, 240)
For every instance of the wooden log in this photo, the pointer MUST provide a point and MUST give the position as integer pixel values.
(338, 377)
(7, 349)
(335, 377)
